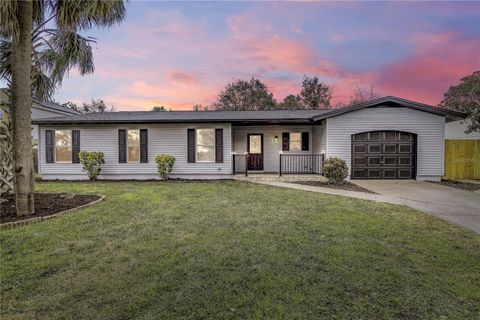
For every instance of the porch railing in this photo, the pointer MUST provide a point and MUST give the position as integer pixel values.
(240, 164)
(301, 164)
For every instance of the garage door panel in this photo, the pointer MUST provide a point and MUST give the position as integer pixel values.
(390, 160)
(374, 161)
(374, 173)
(383, 155)
(374, 148)
(390, 173)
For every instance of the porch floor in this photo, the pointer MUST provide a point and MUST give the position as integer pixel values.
(274, 177)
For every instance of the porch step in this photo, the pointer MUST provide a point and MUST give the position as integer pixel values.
(277, 178)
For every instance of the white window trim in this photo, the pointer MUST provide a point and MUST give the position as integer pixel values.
(128, 154)
(196, 146)
(55, 144)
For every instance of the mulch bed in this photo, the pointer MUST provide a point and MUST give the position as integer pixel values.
(345, 186)
(45, 204)
(459, 184)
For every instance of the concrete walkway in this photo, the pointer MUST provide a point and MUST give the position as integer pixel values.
(456, 206)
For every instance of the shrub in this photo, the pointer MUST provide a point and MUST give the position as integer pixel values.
(92, 162)
(165, 164)
(335, 170)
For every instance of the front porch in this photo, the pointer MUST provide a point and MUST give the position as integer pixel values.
(267, 152)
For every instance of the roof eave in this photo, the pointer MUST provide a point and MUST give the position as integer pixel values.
(232, 121)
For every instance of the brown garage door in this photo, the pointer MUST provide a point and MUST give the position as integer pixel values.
(383, 155)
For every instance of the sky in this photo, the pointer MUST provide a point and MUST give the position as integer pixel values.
(178, 54)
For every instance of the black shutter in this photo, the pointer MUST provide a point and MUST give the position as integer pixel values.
(285, 141)
(305, 141)
(122, 146)
(219, 145)
(75, 146)
(49, 143)
(191, 145)
(143, 145)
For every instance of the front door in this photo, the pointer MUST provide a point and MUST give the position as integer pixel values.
(255, 151)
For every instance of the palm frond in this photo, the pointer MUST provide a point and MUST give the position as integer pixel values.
(84, 14)
(8, 18)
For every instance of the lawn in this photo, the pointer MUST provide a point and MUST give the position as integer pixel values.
(234, 250)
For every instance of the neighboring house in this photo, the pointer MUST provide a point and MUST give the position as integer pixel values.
(40, 110)
(455, 130)
(387, 138)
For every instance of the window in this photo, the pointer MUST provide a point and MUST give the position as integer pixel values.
(133, 146)
(205, 145)
(63, 146)
(295, 141)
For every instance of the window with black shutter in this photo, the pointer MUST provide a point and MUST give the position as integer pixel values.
(285, 141)
(219, 145)
(75, 146)
(305, 141)
(143, 146)
(122, 145)
(49, 135)
(191, 145)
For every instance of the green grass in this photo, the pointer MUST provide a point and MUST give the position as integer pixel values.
(232, 250)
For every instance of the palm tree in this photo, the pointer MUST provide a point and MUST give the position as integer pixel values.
(40, 43)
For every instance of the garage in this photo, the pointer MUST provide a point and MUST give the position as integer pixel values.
(383, 155)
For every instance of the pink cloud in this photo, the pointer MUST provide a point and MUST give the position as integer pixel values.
(440, 61)
(183, 77)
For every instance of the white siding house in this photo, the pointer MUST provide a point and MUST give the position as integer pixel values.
(403, 139)
(455, 130)
(428, 127)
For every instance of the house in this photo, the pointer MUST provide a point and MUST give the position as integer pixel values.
(46, 109)
(386, 138)
(455, 130)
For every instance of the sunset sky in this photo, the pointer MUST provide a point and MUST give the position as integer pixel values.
(181, 53)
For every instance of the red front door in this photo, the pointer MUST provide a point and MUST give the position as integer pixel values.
(255, 151)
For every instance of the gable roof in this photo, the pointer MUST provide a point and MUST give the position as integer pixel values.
(243, 117)
(48, 105)
(53, 106)
(394, 102)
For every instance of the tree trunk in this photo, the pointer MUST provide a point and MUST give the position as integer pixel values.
(22, 105)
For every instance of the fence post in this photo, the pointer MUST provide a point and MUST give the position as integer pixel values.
(246, 165)
(233, 164)
(321, 164)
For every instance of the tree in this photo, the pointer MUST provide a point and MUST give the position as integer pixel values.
(39, 43)
(292, 102)
(465, 97)
(199, 107)
(97, 106)
(160, 108)
(360, 96)
(245, 95)
(315, 94)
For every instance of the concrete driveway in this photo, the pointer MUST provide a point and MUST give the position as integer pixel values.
(454, 205)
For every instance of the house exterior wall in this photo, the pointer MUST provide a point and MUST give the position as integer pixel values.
(271, 150)
(41, 113)
(428, 127)
(319, 138)
(162, 139)
(455, 130)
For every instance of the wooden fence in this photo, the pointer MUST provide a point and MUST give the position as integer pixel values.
(462, 159)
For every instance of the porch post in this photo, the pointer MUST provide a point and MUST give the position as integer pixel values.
(246, 165)
(280, 165)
